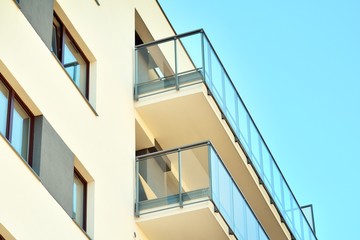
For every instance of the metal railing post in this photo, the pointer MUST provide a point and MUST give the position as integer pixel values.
(137, 200)
(176, 67)
(203, 55)
(181, 202)
(136, 97)
(210, 170)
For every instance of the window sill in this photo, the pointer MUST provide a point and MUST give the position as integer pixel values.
(21, 158)
(85, 233)
(17, 3)
(82, 95)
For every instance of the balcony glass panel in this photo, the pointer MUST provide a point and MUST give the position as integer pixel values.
(156, 67)
(228, 96)
(243, 129)
(267, 166)
(308, 212)
(188, 60)
(194, 186)
(158, 181)
(189, 175)
(193, 60)
(254, 144)
(231, 204)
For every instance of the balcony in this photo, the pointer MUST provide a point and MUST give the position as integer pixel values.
(188, 63)
(194, 180)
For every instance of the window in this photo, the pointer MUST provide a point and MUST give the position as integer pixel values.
(70, 56)
(79, 199)
(16, 121)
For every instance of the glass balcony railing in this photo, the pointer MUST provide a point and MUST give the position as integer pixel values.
(189, 175)
(188, 59)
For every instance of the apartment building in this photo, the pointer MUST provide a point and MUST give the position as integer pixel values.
(113, 126)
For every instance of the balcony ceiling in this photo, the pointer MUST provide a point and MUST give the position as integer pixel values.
(197, 221)
(187, 116)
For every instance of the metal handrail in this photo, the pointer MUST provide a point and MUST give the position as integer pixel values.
(172, 150)
(197, 145)
(257, 130)
(201, 31)
(169, 39)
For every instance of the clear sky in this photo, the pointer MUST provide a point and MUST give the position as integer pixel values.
(296, 64)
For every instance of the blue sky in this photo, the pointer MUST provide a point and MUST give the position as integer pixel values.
(296, 64)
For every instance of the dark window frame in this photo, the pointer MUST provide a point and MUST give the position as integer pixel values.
(84, 182)
(59, 53)
(9, 118)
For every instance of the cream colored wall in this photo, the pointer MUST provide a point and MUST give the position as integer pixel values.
(104, 145)
(154, 19)
(27, 210)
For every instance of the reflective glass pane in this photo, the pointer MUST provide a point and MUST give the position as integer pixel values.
(244, 126)
(232, 205)
(75, 64)
(195, 173)
(298, 223)
(288, 206)
(208, 52)
(56, 41)
(308, 214)
(189, 60)
(230, 97)
(156, 68)
(78, 200)
(252, 225)
(307, 234)
(277, 189)
(215, 181)
(189, 56)
(217, 78)
(225, 193)
(158, 181)
(254, 143)
(267, 166)
(4, 95)
(240, 226)
(20, 130)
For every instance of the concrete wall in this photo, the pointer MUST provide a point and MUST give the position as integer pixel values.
(27, 209)
(104, 144)
(40, 14)
(53, 161)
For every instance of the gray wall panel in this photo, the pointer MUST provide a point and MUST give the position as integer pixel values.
(40, 15)
(54, 162)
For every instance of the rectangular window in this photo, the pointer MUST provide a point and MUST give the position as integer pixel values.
(79, 199)
(20, 130)
(4, 98)
(16, 121)
(70, 56)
